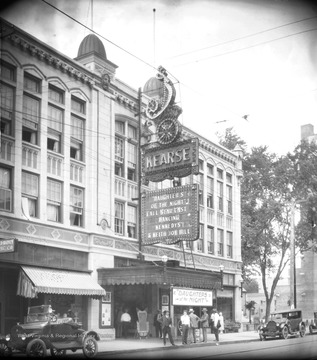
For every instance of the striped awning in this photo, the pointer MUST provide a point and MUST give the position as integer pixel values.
(33, 280)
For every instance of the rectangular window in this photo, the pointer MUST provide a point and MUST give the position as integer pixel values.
(55, 128)
(78, 105)
(199, 245)
(220, 238)
(119, 218)
(228, 178)
(55, 94)
(132, 133)
(229, 199)
(210, 170)
(31, 119)
(119, 127)
(229, 244)
(32, 84)
(210, 240)
(7, 108)
(5, 189)
(7, 71)
(76, 206)
(199, 179)
(201, 165)
(77, 138)
(220, 195)
(132, 220)
(54, 200)
(210, 192)
(119, 156)
(219, 174)
(132, 161)
(30, 194)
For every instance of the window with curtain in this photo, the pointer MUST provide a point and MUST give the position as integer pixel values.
(54, 199)
(229, 244)
(8, 71)
(220, 195)
(77, 138)
(76, 206)
(31, 83)
(5, 189)
(132, 222)
(78, 105)
(7, 108)
(210, 192)
(119, 218)
(229, 199)
(210, 240)
(55, 94)
(119, 156)
(30, 194)
(220, 240)
(31, 119)
(132, 161)
(55, 128)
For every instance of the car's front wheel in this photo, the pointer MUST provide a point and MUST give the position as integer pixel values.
(285, 332)
(5, 350)
(57, 352)
(302, 330)
(90, 347)
(36, 348)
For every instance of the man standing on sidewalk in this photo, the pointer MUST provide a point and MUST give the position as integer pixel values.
(194, 319)
(185, 321)
(166, 322)
(126, 321)
(204, 323)
(216, 321)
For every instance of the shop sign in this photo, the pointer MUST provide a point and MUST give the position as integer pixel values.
(170, 215)
(8, 245)
(166, 162)
(191, 297)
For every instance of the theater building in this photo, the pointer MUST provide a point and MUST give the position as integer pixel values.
(71, 189)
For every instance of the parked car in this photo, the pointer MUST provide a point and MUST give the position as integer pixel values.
(313, 324)
(283, 324)
(43, 330)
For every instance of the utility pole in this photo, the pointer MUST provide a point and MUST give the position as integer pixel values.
(292, 258)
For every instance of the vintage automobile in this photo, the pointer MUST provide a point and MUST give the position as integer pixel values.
(313, 324)
(43, 330)
(283, 324)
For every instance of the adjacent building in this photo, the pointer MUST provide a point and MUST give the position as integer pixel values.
(70, 195)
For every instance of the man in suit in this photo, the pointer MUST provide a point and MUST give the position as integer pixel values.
(194, 320)
(166, 322)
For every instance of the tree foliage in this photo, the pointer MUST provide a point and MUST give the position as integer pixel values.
(270, 186)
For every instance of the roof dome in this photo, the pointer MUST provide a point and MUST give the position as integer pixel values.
(154, 88)
(92, 44)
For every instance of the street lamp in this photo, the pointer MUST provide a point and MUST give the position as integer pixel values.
(221, 267)
(164, 259)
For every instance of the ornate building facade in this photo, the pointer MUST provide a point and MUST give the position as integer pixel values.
(70, 190)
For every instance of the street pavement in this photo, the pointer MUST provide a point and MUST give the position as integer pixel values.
(131, 344)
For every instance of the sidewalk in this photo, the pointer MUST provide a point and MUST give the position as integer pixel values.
(131, 344)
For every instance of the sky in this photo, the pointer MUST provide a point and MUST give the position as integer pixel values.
(226, 58)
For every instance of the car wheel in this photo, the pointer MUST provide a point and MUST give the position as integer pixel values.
(57, 352)
(36, 347)
(285, 332)
(310, 330)
(302, 330)
(90, 347)
(5, 350)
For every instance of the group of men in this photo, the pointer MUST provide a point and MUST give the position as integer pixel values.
(189, 323)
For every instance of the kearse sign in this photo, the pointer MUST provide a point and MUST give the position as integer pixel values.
(170, 215)
(191, 297)
(166, 162)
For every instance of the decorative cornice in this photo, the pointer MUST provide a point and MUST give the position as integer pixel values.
(121, 99)
(52, 60)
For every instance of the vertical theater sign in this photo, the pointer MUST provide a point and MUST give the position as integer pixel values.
(170, 215)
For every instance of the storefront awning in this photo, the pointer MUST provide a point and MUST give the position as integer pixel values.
(148, 274)
(33, 280)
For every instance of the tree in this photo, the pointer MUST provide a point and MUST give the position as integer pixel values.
(250, 306)
(230, 140)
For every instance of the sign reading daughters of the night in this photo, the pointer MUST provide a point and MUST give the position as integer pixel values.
(170, 215)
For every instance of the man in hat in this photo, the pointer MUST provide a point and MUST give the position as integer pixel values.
(194, 320)
(204, 323)
(157, 324)
(166, 322)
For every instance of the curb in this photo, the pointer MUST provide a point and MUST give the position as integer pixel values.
(169, 347)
